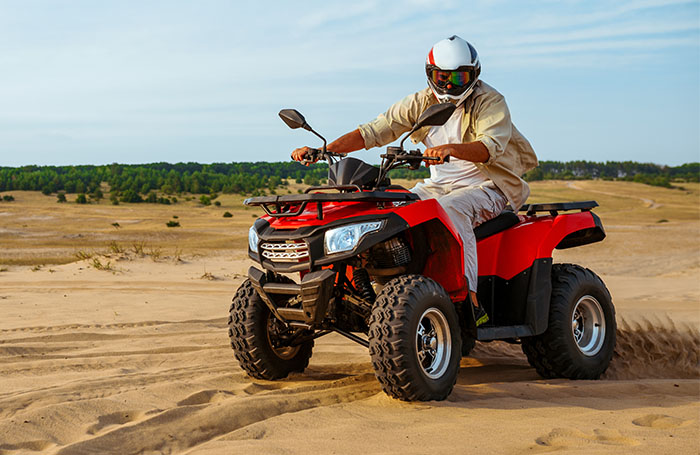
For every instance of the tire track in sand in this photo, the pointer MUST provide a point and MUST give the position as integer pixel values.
(186, 426)
(650, 203)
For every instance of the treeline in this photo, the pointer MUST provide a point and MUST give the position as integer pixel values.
(157, 182)
(130, 181)
(651, 174)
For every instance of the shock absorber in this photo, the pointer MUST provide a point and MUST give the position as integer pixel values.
(363, 284)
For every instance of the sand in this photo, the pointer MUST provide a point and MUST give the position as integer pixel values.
(133, 356)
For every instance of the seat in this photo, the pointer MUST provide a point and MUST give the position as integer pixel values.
(495, 225)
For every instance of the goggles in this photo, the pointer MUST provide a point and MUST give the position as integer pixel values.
(443, 78)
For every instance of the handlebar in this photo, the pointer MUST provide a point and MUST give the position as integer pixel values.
(412, 155)
(313, 155)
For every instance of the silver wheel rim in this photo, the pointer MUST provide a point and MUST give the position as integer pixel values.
(588, 325)
(433, 343)
(284, 352)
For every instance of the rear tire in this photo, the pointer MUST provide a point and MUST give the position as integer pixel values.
(580, 337)
(251, 331)
(414, 339)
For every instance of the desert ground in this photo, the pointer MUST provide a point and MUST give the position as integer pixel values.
(113, 340)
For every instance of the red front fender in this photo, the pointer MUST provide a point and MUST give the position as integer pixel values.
(446, 263)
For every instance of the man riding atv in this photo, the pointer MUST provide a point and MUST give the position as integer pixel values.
(386, 267)
(489, 155)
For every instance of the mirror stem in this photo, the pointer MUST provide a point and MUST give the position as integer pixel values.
(413, 130)
(322, 138)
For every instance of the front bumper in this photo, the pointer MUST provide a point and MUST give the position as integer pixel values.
(315, 290)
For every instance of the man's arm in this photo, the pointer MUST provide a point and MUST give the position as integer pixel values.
(345, 144)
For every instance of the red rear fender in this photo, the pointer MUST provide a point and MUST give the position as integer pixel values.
(510, 252)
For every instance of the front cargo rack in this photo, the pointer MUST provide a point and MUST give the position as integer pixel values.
(555, 207)
(295, 204)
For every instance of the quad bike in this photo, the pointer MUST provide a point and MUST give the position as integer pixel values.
(385, 269)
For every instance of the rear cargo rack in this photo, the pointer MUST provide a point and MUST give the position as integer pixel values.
(555, 207)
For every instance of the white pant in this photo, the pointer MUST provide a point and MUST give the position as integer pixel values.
(467, 207)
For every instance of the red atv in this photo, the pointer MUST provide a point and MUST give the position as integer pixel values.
(385, 269)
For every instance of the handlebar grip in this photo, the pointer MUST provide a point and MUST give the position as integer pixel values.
(311, 156)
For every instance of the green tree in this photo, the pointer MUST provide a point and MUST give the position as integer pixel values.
(81, 199)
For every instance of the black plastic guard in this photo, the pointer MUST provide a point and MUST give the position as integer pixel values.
(519, 306)
(584, 236)
(351, 171)
(316, 290)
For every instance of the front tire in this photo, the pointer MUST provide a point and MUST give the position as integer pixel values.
(580, 338)
(414, 339)
(252, 329)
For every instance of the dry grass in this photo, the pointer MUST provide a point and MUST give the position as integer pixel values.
(98, 265)
(36, 230)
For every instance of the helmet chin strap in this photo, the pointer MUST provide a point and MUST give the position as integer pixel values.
(457, 101)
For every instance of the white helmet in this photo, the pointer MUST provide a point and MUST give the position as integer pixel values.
(452, 68)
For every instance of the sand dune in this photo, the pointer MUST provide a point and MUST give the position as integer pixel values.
(136, 359)
(140, 383)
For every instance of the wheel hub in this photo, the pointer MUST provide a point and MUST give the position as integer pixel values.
(433, 343)
(273, 337)
(588, 325)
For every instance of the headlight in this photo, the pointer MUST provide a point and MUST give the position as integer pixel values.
(345, 238)
(253, 240)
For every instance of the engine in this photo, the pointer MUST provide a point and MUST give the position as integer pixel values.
(388, 259)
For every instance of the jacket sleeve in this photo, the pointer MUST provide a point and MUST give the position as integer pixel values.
(389, 126)
(492, 126)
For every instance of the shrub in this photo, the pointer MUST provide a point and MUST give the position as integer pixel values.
(97, 194)
(228, 215)
(130, 196)
(61, 197)
(172, 223)
(46, 191)
(205, 200)
(152, 197)
(81, 199)
(217, 203)
(8, 198)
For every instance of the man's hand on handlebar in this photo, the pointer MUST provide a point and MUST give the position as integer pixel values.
(305, 155)
(441, 152)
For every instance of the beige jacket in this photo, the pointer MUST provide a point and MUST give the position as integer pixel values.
(486, 119)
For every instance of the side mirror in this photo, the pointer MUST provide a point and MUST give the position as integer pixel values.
(294, 119)
(435, 115)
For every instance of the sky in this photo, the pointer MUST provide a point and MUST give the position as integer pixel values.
(87, 82)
